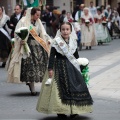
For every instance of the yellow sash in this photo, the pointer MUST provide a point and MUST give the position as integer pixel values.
(39, 40)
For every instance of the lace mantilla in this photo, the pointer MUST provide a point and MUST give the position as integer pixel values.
(72, 46)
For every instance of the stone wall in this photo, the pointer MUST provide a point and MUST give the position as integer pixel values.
(8, 5)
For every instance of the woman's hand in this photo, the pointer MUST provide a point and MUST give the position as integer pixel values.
(22, 42)
(51, 21)
(90, 23)
(50, 73)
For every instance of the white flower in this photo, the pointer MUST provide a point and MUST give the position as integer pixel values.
(107, 20)
(104, 22)
(87, 21)
(83, 61)
(21, 28)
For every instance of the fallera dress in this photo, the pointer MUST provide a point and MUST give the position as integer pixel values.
(68, 93)
(5, 44)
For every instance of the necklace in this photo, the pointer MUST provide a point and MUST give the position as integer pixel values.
(67, 41)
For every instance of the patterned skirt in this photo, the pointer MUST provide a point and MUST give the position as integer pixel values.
(33, 68)
(67, 94)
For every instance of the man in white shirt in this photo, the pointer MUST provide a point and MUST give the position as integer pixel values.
(79, 13)
(108, 11)
(93, 9)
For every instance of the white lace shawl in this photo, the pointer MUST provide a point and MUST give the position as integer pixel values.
(72, 42)
(99, 16)
(4, 19)
(66, 19)
(89, 15)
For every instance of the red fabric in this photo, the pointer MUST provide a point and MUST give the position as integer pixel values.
(83, 20)
(70, 20)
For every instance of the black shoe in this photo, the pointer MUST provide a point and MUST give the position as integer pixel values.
(34, 93)
(3, 64)
(86, 48)
(62, 116)
(90, 48)
(29, 86)
(73, 116)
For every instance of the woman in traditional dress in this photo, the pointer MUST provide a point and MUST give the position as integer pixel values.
(68, 18)
(116, 24)
(87, 28)
(31, 69)
(102, 34)
(5, 44)
(67, 93)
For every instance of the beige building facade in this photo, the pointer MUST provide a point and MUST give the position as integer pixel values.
(64, 5)
(113, 3)
(68, 5)
(96, 2)
(8, 5)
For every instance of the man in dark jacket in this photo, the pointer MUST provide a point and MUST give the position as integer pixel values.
(49, 18)
(15, 18)
(62, 16)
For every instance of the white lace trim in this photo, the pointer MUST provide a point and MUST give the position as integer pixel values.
(72, 45)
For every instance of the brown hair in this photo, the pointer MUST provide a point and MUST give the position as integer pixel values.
(20, 6)
(91, 1)
(34, 10)
(67, 24)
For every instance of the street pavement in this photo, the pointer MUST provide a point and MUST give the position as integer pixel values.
(104, 85)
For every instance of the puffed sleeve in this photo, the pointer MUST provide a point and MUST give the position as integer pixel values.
(76, 55)
(52, 58)
(83, 20)
(91, 20)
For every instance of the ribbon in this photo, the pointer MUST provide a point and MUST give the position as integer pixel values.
(85, 75)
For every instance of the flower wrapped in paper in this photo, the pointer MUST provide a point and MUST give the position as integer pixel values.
(87, 22)
(84, 68)
(23, 34)
(12, 44)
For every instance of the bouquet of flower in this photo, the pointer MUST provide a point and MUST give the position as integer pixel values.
(84, 68)
(23, 33)
(104, 23)
(87, 22)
